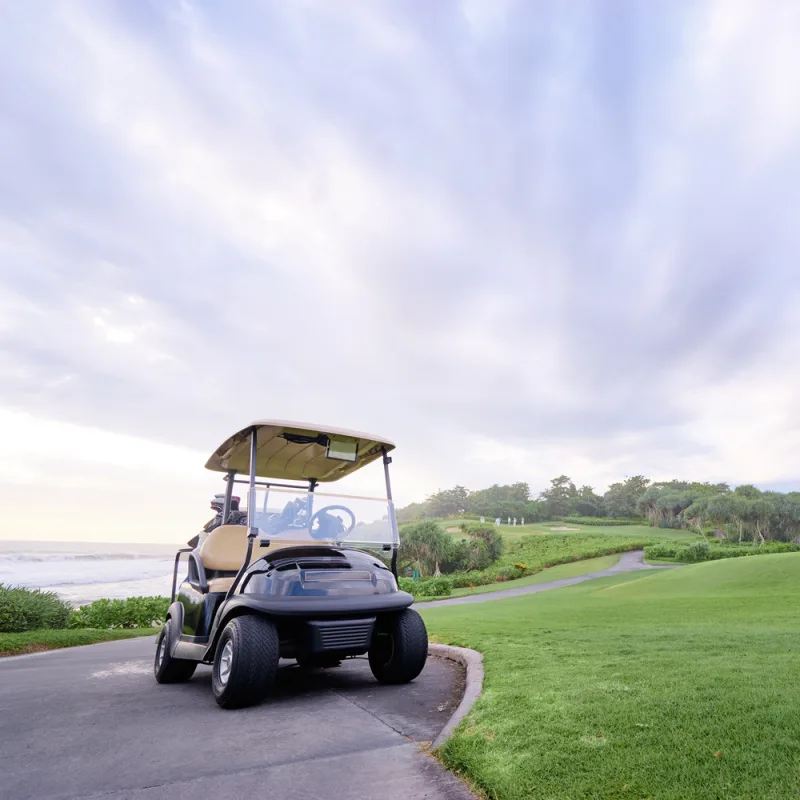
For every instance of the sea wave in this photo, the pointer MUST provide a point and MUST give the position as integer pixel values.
(70, 571)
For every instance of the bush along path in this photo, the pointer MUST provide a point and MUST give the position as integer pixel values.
(32, 620)
(630, 562)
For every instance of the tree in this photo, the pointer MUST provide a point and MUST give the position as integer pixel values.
(448, 502)
(426, 544)
(589, 504)
(490, 536)
(621, 498)
(499, 501)
(560, 497)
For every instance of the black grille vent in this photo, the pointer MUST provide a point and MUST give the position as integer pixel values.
(345, 636)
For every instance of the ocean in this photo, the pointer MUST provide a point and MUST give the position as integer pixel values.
(80, 572)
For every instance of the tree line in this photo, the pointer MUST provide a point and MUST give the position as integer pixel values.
(745, 513)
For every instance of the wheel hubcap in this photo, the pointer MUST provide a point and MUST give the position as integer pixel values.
(226, 662)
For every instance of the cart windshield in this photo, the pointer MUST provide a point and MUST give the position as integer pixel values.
(326, 518)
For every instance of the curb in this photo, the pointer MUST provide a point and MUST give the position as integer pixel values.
(472, 661)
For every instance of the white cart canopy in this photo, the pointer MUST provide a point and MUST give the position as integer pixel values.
(298, 451)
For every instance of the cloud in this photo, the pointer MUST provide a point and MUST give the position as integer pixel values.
(520, 238)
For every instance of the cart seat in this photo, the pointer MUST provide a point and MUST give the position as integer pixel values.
(225, 548)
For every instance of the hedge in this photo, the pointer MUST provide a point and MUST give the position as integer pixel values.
(135, 612)
(30, 609)
(602, 521)
(703, 551)
(431, 587)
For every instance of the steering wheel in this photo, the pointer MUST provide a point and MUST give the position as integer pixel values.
(324, 525)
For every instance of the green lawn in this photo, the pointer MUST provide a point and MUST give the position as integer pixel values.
(671, 685)
(14, 644)
(571, 570)
(514, 533)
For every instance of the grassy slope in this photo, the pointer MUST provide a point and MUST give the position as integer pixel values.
(14, 644)
(515, 533)
(571, 570)
(673, 685)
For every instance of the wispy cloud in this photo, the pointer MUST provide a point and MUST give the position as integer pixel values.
(520, 238)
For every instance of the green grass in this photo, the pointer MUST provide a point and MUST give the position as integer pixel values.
(571, 570)
(14, 644)
(672, 685)
(662, 562)
(515, 533)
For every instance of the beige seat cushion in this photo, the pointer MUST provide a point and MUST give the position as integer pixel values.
(225, 548)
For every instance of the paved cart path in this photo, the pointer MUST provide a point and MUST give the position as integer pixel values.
(630, 562)
(91, 722)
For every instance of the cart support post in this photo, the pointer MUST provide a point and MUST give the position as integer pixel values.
(226, 505)
(392, 517)
(252, 531)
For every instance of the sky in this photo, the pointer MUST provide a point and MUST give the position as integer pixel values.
(519, 238)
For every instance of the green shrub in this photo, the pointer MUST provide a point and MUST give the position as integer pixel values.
(696, 551)
(30, 609)
(539, 551)
(431, 587)
(602, 521)
(509, 572)
(491, 536)
(135, 612)
(664, 550)
(435, 587)
(463, 580)
(703, 551)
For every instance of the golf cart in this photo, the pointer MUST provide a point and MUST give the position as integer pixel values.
(293, 578)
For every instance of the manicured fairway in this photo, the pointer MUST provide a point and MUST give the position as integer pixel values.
(671, 685)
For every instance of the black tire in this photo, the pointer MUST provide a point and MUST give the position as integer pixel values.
(399, 647)
(166, 668)
(318, 662)
(250, 645)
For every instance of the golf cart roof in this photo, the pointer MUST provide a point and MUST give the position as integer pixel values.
(296, 451)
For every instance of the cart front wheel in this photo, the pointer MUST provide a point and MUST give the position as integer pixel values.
(399, 647)
(166, 668)
(246, 662)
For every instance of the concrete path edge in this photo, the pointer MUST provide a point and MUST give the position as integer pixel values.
(472, 661)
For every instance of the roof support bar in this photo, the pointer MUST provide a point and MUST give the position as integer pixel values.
(252, 530)
(226, 506)
(392, 517)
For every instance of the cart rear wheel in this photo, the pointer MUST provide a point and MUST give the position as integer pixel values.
(399, 647)
(246, 662)
(166, 668)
